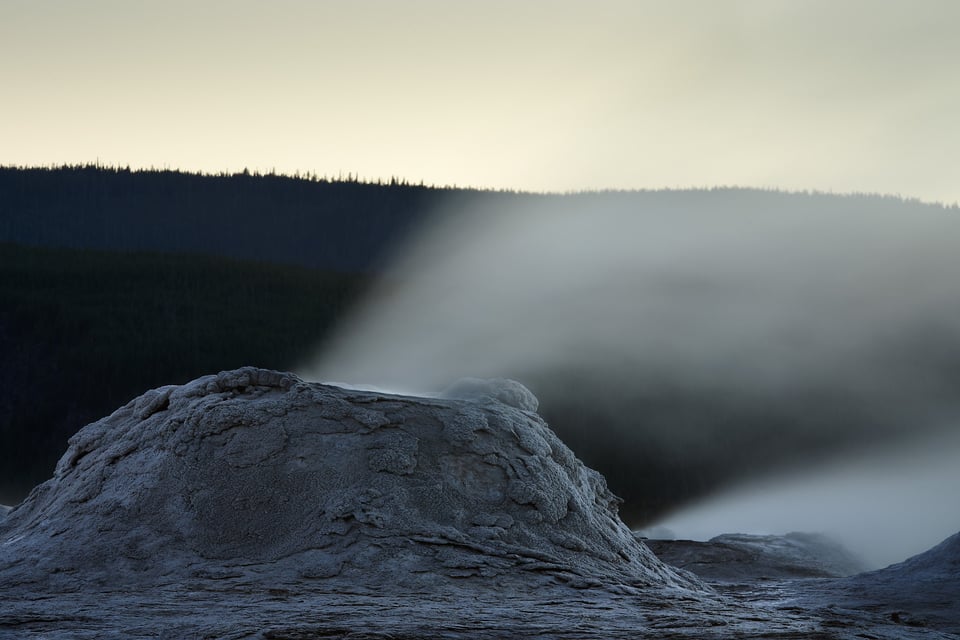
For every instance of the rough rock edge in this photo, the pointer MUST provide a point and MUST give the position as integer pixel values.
(509, 392)
(736, 558)
(936, 569)
(920, 593)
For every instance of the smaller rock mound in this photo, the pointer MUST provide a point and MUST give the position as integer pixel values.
(509, 392)
(745, 558)
(936, 569)
(921, 591)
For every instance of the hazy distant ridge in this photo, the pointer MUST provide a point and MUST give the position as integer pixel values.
(318, 223)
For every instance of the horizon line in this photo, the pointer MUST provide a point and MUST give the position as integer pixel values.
(355, 178)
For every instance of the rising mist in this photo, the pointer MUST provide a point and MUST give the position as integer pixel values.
(686, 342)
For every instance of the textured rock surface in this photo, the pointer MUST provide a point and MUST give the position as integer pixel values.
(253, 505)
(252, 472)
(939, 567)
(922, 591)
(509, 392)
(740, 557)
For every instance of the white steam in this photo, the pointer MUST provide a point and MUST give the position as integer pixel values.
(887, 507)
(753, 294)
(715, 286)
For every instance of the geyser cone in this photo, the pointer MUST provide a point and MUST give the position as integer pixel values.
(257, 475)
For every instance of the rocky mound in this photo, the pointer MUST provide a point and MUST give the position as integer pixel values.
(922, 591)
(744, 558)
(256, 476)
(938, 566)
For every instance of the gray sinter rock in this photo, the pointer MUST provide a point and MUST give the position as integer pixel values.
(254, 475)
(742, 557)
(921, 591)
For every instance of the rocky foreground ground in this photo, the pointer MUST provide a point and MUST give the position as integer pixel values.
(252, 504)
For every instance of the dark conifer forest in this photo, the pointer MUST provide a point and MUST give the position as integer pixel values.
(84, 331)
(340, 225)
(114, 281)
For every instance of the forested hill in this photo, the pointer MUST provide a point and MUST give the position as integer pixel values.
(83, 331)
(114, 281)
(339, 225)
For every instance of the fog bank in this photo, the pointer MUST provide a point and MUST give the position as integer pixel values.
(682, 341)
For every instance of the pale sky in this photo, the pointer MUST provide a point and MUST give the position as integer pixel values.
(835, 95)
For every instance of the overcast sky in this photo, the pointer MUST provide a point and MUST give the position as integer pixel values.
(854, 95)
